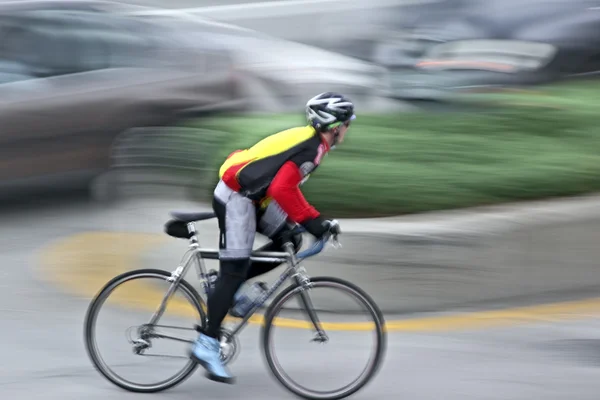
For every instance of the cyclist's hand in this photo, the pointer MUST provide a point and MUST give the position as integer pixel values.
(320, 226)
(334, 227)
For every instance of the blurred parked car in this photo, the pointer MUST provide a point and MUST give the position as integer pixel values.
(273, 75)
(433, 49)
(75, 74)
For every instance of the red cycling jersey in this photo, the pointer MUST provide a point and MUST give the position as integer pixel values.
(275, 167)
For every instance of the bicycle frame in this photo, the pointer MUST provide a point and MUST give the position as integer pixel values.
(293, 271)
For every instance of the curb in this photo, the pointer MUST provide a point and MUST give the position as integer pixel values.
(450, 225)
(454, 225)
(472, 223)
(73, 276)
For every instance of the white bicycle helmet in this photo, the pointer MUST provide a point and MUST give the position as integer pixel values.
(328, 110)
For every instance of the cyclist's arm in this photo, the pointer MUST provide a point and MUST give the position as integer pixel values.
(285, 191)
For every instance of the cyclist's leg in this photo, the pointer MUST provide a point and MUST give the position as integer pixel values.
(273, 223)
(237, 224)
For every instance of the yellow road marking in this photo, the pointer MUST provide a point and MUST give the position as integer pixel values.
(83, 263)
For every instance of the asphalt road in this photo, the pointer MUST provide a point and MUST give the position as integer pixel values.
(554, 262)
(42, 338)
(41, 344)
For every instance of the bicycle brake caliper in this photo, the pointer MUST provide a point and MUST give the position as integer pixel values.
(303, 278)
(175, 274)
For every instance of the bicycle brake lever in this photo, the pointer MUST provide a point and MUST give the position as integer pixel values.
(335, 243)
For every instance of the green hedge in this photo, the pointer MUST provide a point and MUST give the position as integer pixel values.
(527, 146)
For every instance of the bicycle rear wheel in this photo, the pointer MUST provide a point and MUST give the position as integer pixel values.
(335, 332)
(146, 335)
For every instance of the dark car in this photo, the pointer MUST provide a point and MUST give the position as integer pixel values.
(76, 74)
(435, 48)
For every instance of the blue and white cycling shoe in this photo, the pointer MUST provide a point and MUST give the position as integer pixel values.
(206, 352)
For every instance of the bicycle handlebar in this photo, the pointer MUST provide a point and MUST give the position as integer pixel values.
(317, 246)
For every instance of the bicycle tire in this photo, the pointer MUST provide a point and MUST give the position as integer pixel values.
(378, 319)
(90, 322)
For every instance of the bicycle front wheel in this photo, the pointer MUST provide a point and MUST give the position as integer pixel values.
(138, 294)
(352, 337)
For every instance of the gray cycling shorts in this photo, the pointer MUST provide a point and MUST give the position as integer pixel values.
(238, 223)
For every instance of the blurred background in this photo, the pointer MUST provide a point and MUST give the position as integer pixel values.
(83, 80)
(472, 116)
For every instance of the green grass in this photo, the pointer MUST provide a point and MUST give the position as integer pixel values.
(528, 146)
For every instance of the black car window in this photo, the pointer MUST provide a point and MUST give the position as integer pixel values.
(53, 43)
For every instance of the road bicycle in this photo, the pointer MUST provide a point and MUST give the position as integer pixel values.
(301, 285)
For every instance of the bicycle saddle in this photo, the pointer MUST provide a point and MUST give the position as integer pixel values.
(192, 216)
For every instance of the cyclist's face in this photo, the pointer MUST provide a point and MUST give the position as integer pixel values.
(342, 132)
(336, 135)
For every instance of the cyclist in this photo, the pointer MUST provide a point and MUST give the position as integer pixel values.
(259, 191)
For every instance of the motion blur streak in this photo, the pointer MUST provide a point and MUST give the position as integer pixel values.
(466, 189)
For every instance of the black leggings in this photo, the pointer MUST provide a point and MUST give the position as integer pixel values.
(233, 274)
